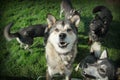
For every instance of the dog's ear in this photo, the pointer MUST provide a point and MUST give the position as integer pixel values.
(72, 11)
(75, 20)
(92, 53)
(104, 55)
(50, 20)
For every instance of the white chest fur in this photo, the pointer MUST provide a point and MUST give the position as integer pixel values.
(59, 63)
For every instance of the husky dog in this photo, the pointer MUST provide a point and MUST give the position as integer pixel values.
(95, 52)
(67, 8)
(100, 24)
(91, 58)
(25, 36)
(61, 46)
(98, 69)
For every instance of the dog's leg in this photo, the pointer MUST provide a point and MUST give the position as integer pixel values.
(91, 50)
(89, 41)
(21, 45)
(77, 67)
(20, 42)
(48, 77)
(67, 77)
(26, 47)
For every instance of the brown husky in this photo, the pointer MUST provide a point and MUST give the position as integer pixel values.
(61, 46)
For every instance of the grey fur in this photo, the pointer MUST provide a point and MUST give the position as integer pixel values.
(98, 68)
(67, 8)
(58, 55)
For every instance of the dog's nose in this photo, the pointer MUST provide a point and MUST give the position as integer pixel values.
(62, 36)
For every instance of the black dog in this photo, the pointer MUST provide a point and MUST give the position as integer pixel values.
(100, 24)
(67, 8)
(25, 36)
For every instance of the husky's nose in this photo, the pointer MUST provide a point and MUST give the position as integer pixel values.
(62, 36)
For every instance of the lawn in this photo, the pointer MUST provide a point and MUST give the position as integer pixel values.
(17, 62)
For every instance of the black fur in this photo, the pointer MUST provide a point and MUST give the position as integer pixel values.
(90, 59)
(99, 26)
(26, 35)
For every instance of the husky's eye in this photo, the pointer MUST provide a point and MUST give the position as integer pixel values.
(56, 30)
(102, 70)
(68, 30)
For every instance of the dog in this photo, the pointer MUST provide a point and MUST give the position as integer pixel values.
(25, 36)
(61, 46)
(98, 68)
(95, 52)
(67, 8)
(99, 26)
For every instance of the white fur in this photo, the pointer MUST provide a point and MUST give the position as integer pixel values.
(96, 48)
(93, 71)
(61, 63)
(57, 59)
(104, 55)
(70, 38)
(22, 45)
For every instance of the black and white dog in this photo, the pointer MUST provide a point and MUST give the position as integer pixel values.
(67, 8)
(93, 68)
(100, 24)
(25, 36)
(61, 46)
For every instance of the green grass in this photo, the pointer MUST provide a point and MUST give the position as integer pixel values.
(18, 62)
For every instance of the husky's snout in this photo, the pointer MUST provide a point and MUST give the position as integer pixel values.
(62, 42)
(62, 36)
(87, 75)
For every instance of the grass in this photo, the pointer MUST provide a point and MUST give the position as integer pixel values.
(16, 62)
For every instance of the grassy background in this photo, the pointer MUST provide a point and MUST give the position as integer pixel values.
(17, 62)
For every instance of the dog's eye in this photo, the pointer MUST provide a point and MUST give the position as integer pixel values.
(68, 30)
(56, 30)
(102, 70)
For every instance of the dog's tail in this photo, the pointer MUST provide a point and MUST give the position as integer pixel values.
(96, 49)
(9, 36)
(98, 8)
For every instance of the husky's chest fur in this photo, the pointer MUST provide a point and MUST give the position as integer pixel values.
(59, 63)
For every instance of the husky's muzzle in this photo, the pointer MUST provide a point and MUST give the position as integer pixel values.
(87, 75)
(62, 43)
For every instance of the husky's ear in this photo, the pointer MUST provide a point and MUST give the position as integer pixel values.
(72, 11)
(75, 20)
(92, 53)
(104, 55)
(50, 20)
